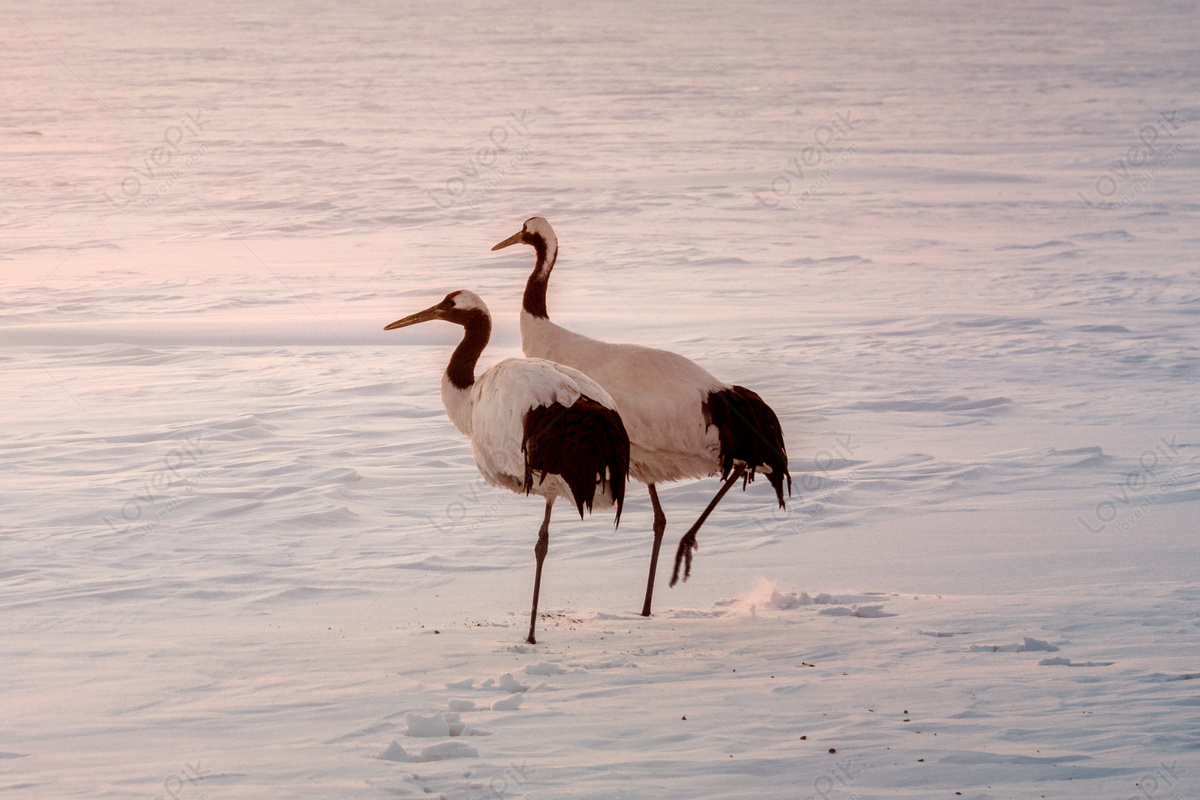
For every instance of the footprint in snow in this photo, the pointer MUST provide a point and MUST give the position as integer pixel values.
(864, 612)
(510, 703)
(510, 684)
(434, 752)
(1029, 645)
(544, 668)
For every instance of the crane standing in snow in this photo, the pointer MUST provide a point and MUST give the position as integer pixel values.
(535, 427)
(682, 422)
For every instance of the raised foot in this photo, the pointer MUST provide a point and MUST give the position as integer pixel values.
(684, 555)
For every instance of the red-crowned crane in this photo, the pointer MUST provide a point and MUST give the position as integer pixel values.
(535, 427)
(682, 422)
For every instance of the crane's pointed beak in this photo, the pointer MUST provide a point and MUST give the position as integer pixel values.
(514, 239)
(428, 314)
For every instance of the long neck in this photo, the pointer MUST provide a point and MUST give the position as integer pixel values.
(476, 332)
(535, 288)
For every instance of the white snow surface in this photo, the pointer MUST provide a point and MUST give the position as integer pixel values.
(244, 554)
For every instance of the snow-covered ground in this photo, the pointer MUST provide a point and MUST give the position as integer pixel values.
(243, 553)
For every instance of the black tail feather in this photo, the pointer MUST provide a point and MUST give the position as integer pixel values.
(585, 443)
(749, 432)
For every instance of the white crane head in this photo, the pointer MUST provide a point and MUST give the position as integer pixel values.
(461, 308)
(536, 231)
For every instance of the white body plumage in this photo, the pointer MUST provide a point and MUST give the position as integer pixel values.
(659, 394)
(491, 412)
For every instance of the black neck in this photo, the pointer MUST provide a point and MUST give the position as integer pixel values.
(477, 329)
(535, 288)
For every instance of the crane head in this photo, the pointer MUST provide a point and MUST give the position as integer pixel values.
(534, 230)
(458, 307)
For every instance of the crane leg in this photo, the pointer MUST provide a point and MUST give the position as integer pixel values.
(539, 550)
(660, 526)
(688, 543)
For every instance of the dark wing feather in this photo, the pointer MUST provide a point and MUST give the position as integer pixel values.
(749, 431)
(585, 443)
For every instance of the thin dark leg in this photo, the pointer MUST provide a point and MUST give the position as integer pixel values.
(539, 550)
(660, 526)
(688, 543)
